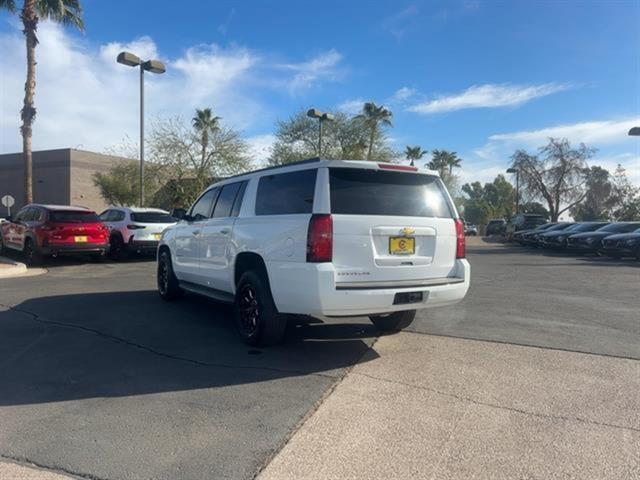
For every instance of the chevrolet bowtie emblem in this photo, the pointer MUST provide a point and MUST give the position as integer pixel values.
(408, 231)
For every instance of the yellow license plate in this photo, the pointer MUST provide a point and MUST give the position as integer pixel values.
(402, 245)
(81, 238)
(157, 236)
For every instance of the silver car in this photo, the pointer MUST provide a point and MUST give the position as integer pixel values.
(135, 229)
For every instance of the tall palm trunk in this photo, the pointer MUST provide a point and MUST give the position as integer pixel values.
(371, 139)
(28, 113)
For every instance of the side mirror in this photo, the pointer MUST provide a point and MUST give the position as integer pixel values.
(179, 213)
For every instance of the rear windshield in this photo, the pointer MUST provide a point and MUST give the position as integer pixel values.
(73, 216)
(152, 217)
(356, 191)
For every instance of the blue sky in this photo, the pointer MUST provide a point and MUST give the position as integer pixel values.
(482, 78)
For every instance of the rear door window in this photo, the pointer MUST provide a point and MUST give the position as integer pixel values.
(235, 211)
(202, 208)
(225, 200)
(357, 191)
(286, 193)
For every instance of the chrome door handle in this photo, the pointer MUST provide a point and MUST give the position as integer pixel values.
(195, 233)
(225, 231)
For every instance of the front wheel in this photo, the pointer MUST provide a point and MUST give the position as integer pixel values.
(393, 322)
(32, 256)
(168, 286)
(257, 318)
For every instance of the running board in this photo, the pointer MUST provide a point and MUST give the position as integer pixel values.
(212, 293)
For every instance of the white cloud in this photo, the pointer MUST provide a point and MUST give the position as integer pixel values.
(351, 107)
(403, 94)
(608, 131)
(260, 148)
(488, 96)
(85, 99)
(323, 67)
(610, 135)
(211, 71)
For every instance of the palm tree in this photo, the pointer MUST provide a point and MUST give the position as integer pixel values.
(373, 116)
(205, 123)
(414, 153)
(444, 161)
(67, 12)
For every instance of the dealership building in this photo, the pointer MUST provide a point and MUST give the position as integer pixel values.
(62, 177)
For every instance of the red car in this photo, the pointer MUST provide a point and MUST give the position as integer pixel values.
(50, 230)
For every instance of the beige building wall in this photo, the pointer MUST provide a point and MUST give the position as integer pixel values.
(61, 177)
(51, 182)
(83, 166)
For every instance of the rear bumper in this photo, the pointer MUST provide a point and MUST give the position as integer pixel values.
(74, 249)
(147, 245)
(315, 291)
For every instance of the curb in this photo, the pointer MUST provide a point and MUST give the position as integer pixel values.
(14, 268)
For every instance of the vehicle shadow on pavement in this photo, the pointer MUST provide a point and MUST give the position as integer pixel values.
(117, 344)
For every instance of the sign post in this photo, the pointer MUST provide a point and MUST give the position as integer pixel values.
(8, 201)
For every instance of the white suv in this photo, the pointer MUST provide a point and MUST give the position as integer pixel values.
(135, 229)
(327, 238)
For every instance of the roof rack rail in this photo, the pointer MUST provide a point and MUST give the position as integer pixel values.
(298, 162)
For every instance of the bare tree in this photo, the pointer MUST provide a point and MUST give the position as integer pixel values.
(556, 175)
(346, 138)
(192, 160)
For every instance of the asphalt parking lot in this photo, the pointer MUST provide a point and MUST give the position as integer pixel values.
(102, 379)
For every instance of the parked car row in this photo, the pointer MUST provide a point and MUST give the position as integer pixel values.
(614, 239)
(39, 231)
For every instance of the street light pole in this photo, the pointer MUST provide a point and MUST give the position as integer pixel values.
(153, 66)
(141, 136)
(517, 172)
(322, 117)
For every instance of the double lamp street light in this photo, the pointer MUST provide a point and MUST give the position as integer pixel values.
(322, 117)
(153, 66)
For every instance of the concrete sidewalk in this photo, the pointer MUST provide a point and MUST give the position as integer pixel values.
(13, 471)
(444, 408)
(12, 268)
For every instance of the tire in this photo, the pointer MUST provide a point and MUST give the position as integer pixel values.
(168, 285)
(393, 322)
(117, 248)
(31, 255)
(257, 319)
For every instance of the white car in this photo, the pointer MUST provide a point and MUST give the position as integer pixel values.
(327, 238)
(135, 229)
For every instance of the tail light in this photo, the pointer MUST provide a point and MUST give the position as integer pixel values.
(391, 166)
(320, 239)
(135, 227)
(460, 240)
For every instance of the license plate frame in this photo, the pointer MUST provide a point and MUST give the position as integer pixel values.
(81, 239)
(402, 245)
